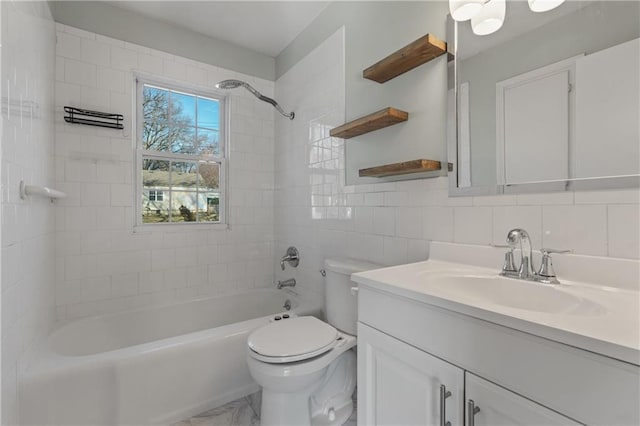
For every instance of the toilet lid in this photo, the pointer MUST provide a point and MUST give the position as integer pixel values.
(292, 337)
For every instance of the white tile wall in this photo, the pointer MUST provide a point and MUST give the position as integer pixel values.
(623, 230)
(392, 223)
(101, 265)
(311, 203)
(26, 76)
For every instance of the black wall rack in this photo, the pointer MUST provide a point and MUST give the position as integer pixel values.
(93, 118)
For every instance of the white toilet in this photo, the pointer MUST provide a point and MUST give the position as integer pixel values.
(306, 367)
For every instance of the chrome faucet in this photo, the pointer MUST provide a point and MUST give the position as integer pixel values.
(516, 238)
(520, 236)
(291, 257)
(291, 282)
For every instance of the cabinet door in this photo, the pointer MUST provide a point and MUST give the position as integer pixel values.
(497, 406)
(401, 385)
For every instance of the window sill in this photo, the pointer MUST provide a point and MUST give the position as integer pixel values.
(163, 227)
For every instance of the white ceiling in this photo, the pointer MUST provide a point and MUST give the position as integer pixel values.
(264, 26)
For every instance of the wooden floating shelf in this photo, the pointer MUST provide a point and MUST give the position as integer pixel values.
(412, 55)
(378, 120)
(404, 168)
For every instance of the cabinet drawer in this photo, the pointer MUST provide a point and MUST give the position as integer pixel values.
(585, 386)
(497, 406)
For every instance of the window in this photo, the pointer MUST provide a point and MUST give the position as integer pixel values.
(156, 196)
(180, 155)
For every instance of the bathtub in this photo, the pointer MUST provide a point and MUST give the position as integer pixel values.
(149, 366)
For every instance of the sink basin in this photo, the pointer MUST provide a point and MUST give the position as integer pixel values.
(513, 293)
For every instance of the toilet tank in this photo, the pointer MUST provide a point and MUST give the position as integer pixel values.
(341, 305)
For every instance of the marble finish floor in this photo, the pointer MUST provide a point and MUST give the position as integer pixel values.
(241, 412)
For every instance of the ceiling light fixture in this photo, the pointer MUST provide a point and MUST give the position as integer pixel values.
(544, 5)
(490, 18)
(463, 10)
(487, 16)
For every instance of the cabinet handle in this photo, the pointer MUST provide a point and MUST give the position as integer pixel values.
(444, 394)
(472, 410)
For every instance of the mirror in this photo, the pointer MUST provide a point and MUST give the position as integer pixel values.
(548, 102)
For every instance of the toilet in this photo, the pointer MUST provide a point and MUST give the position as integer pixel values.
(307, 367)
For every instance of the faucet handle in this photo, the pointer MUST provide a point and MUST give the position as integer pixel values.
(548, 251)
(509, 265)
(546, 265)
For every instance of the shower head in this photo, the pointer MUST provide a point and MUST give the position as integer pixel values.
(229, 84)
(234, 84)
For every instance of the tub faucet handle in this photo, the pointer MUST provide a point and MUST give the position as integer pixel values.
(291, 257)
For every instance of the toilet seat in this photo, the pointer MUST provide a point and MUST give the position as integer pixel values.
(293, 339)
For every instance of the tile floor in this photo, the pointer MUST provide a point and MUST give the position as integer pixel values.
(241, 412)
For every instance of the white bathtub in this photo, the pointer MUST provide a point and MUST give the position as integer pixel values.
(148, 366)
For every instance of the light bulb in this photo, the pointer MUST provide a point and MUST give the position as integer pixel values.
(490, 18)
(463, 10)
(544, 5)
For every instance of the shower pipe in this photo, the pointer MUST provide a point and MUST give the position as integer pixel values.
(233, 84)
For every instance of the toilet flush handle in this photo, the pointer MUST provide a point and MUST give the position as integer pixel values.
(354, 291)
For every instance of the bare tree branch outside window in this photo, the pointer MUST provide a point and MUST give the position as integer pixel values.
(179, 123)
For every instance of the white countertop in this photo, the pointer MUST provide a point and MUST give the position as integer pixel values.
(613, 331)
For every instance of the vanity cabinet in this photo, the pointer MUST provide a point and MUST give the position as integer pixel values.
(399, 384)
(407, 349)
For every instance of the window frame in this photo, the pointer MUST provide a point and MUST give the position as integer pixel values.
(139, 81)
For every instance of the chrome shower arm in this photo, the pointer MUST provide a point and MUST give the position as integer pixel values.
(267, 99)
(251, 89)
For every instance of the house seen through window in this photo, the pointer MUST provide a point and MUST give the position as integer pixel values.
(156, 195)
(180, 156)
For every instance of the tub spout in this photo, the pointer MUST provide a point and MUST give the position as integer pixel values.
(291, 282)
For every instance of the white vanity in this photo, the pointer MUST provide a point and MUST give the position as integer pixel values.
(446, 343)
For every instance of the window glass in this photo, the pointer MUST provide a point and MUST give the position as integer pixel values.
(181, 157)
